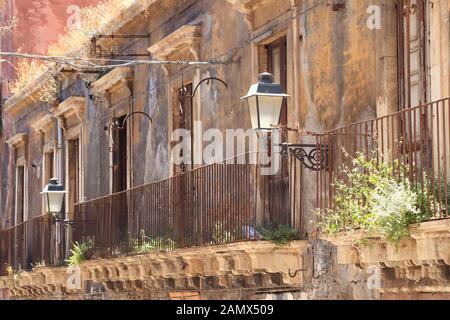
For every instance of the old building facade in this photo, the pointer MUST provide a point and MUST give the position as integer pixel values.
(340, 62)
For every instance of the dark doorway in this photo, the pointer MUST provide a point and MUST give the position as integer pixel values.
(183, 119)
(20, 196)
(120, 168)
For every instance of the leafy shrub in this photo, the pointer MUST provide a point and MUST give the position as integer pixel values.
(282, 235)
(79, 253)
(145, 244)
(221, 234)
(378, 198)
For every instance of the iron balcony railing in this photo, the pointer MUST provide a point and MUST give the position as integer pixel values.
(225, 203)
(28, 244)
(216, 204)
(417, 140)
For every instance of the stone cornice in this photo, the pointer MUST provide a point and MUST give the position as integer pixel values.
(241, 5)
(71, 106)
(112, 80)
(27, 96)
(44, 124)
(128, 15)
(429, 241)
(241, 265)
(419, 263)
(17, 141)
(188, 37)
(246, 7)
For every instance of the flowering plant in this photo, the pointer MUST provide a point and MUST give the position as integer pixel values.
(379, 199)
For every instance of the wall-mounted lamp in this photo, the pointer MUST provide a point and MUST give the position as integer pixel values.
(53, 195)
(116, 125)
(265, 101)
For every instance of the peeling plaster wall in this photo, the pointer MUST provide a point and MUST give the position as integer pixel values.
(338, 65)
(33, 148)
(337, 85)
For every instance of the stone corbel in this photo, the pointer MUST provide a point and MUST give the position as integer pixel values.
(246, 9)
(71, 106)
(186, 38)
(112, 81)
(44, 124)
(17, 141)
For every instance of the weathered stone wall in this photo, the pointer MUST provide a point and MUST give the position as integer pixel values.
(332, 269)
(332, 81)
(336, 77)
(339, 72)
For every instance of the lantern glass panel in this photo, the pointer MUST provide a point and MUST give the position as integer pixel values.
(253, 111)
(269, 111)
(54, 201)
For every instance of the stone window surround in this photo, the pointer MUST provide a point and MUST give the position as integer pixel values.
(176, 83)
(113, 81)
(186, 38)
(43, 126)
(73, 106)
(72, 134)
(247, 7)
(16, 142)
(69, 107)
(110, 83)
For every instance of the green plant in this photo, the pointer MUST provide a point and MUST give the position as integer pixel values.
(39, 265)
(10, 271)
(145, 244)
(14, 272)
(379, 199)
(281, 235)
(79, 253)
(221, 234)
(441, 191)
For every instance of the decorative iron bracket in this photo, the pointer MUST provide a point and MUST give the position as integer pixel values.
(313, 156)
(64, 222)
(116, 125)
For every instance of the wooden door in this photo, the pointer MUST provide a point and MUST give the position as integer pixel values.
(74, 175)
(412, 52)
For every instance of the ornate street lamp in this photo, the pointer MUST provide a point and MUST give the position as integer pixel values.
(53, 195)
(265, 100)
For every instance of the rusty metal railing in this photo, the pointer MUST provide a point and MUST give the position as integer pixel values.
(417, 140)
(216, 204)
(27, 244)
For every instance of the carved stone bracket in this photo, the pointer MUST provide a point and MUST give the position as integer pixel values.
(113, 81)
(185, 39)
(44, 124)
(420, 262)
(71, 106)
(17, 140)
(245, 8)
(234, 266)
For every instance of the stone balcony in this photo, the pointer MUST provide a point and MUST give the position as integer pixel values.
(420, 263)
(246, 265)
